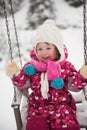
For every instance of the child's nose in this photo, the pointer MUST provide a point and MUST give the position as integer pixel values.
(44, 52)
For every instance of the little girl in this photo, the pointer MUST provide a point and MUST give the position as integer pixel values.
(51, 105)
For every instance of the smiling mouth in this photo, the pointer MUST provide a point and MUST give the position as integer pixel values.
(46, 58)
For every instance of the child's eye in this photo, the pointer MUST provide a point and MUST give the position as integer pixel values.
(39, 49)
(48, 48)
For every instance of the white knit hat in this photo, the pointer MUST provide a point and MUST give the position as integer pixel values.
(49, 32)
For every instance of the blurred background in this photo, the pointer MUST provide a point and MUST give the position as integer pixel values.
(67, 14)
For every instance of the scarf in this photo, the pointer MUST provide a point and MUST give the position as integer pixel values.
(51, 70)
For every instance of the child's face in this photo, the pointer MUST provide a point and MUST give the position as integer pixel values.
(46, 51)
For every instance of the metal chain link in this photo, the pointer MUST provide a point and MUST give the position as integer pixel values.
(8, 31)
(84, 31)
(9, 37)
(16, 35)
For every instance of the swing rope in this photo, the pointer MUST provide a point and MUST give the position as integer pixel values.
(16, 106)
(8, 32)
(84, 31)
(9, 37)
(16, 35)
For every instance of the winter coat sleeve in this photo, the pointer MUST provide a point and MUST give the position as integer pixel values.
(77, 81)
(21, 80)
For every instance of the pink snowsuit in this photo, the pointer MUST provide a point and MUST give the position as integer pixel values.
(58, 112)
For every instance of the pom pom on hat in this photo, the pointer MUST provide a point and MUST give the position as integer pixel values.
(49, 32)
(49, 22)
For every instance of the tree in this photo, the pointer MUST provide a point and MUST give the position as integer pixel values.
(75, 3)
(15, 5)
(39, 11)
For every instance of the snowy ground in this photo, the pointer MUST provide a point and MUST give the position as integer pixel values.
(6, 113)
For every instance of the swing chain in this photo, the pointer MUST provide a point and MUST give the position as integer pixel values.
(84, 30)
(16, 35)
(9, 36)
(8, 31)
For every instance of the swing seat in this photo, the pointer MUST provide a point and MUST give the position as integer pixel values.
(80, 98)
(20, 105)
(20, 108)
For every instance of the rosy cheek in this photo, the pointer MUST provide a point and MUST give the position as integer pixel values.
(53, 57)
(39, 57)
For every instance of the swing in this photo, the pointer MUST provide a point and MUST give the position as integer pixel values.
(15, 102)
(18, 93)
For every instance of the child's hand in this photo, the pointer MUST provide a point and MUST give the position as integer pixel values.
(83, 71)
(30, 70)
(12, 69)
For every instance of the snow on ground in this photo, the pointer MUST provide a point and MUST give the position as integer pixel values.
(7, 120)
